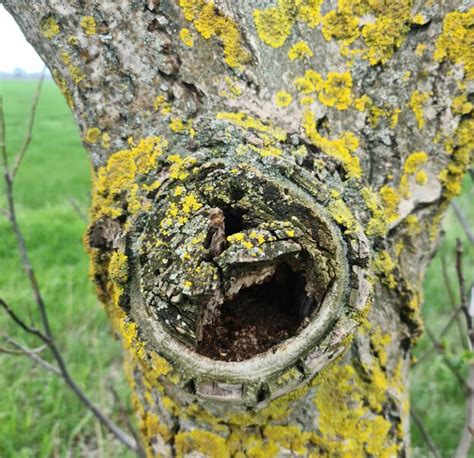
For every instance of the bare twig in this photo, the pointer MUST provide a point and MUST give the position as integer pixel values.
(424, 433)
(78, 209)
(45, 335)
(29, 130)
(467, 434)
(446, 360)
(463, 221)
(3, 143)
(453, 301)
(22, 350)
(445, 329)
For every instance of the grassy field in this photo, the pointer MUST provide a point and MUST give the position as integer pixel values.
(39, 417)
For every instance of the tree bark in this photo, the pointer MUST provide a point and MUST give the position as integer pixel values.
(269, 181)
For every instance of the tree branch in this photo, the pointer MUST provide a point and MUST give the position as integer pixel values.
(424, 433)
(45, 335)
(29, 131)
(22, 350)
(463, 221)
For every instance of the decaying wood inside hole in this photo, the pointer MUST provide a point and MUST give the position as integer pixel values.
(258, 317)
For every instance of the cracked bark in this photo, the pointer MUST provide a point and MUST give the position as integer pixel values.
(262, 257)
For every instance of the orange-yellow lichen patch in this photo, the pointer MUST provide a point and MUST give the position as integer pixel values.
(336, 90)
(390, 201)
(274, 24)
(161, 105)
(456, 41)
(414, 161)
(348, 424)
(118, 176)
(49, 27)
(463, 147)
(88, 25)
(282, 99)
(339, 148)
(300, 50)
(461, 105)
(186, 37)
(341, 26)
(209, 22)
(341, 213)
(384, 266)
(201, 441)
(249, 122)
(92, 135)
(417, 102)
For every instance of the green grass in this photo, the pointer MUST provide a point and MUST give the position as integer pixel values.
(39, 416)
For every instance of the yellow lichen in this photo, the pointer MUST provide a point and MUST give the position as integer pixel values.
(186, 37)
(160, 104)
(49, 27)
(384, 266)
(451, 177)
(63, 87)
(417, 102)
(209, 444)
(348, 424)
(420, 49)
(414, 162)
(461, 105)
(456, 41)
(390, 201)
(383, 37)
(336, 90)
(340, 212)
(273, 24)
(118, 176)
(88, 25)
(209, 22)
(282, 99)
(92, 135)
(300, 50)
(105, 141)
(341, 26)
(339, 148)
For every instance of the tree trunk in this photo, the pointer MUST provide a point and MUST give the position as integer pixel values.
(269, 181)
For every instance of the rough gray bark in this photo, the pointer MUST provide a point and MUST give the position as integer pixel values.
(247, 146)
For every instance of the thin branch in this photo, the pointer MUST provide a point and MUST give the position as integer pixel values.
(22, 350)
(106, 421)
(463, 221)
(5, 213)
(462, 290)
(467, 434)
(3, 141)
(29, 130)
(452, 301)
(446, 360)
(424, 433)
(47, 336)
(27, 328)
(78, 209)
(441, 334)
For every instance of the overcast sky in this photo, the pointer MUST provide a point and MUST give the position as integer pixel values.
(15, 51)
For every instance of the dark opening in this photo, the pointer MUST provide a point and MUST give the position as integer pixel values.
(258, 318)
(234, 221)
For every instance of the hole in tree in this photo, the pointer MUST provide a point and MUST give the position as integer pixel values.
(258, 318)
(234, 220)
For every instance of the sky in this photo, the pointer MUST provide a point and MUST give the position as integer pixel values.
(15, 51)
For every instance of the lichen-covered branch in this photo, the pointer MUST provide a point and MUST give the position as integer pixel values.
(269, 180)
